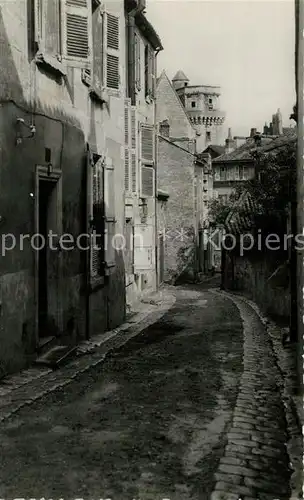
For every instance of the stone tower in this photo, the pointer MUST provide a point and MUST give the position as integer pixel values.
(202, 105)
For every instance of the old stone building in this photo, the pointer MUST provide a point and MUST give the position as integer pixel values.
(187, 178)
(202, 105)
(66, 75)
(236, 164)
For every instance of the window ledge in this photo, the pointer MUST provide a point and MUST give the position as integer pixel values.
(99, 95)
(51, 63)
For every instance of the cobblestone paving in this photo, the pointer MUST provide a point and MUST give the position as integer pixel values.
(255, 464)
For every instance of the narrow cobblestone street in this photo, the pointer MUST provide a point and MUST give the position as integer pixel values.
(187, 409)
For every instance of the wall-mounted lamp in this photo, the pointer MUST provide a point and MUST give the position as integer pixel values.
(20, 125)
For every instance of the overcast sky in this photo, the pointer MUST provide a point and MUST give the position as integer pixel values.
(245, 46)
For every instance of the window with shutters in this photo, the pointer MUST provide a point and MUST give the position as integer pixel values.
(112, 77)
(217, 174)
(111, 244)
(97, 215)
(62, 32)
(147, 161)
(48, 33)
(131, 148)
(149, 72)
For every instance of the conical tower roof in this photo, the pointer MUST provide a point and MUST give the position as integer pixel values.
(180, 76)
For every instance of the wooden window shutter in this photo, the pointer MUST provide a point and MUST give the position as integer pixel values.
(147, 181)
(97, 212)
(98, 41)
(134, 149)
(112, 51)
(147, 143)
(127, 124)
(77, 29)
(109, 207)
(47, 25)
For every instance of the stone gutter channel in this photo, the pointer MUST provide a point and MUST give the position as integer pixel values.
(28, 386)
(244, 473)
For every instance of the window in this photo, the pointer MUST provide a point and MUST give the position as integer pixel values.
(147, 161)
(62, 29)
(149, 72)
(193, 104)
(131, 148)
(217, 176)
(102, 212)
(208, 136)
(241, 173)
(97, 218)
(105, 71)
(223, 173)
(230, 174)
(109, 215)
(237, 172)
(210, 101)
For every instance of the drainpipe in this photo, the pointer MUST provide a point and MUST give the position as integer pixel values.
(155, 175)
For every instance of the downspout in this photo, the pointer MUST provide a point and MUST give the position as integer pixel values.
(155, 174)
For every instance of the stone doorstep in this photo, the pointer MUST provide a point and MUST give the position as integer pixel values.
(15, 381)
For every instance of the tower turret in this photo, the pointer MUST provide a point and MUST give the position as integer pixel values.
(202, 105)
(180, 80)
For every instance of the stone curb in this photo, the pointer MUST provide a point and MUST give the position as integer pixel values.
(294, 443)
(31, 385)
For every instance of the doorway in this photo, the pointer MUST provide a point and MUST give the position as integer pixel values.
(45, 191)
(47, 256)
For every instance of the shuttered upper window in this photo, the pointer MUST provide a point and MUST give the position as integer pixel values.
(77, 28)
(112, 77)
(147, 143)
(63, 30)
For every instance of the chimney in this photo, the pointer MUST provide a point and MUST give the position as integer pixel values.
(257, 139)
(279, 122)
(266, 129)
(253, 132)
(230, 144)
(164, 128)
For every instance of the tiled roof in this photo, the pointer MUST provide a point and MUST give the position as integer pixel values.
(180, 75)
(217, 149)
(244, 152)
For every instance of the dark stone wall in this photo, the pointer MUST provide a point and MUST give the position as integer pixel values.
(105, 305)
